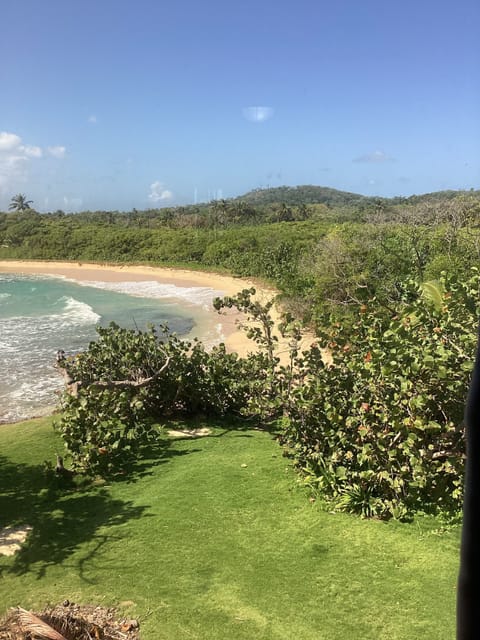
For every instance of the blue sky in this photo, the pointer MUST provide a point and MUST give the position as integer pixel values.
(114, 104)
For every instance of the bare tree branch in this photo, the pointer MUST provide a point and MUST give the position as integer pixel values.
(136, 383)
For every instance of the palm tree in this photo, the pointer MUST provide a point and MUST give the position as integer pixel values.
(20, 203)
(218, 212)
(243, 212)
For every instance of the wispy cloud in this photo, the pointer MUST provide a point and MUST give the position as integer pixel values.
(57, 151)
(375, 157)
(31, 151)
(13, 168)
(158, 193)
(257, 114)
(92, 119)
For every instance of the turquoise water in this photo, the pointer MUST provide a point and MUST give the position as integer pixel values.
(41, 314)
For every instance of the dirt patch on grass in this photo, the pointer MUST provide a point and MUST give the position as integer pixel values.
(68, 621)
(11, 539)
(190, 433)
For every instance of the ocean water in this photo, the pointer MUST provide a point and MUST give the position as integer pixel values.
(41, 314)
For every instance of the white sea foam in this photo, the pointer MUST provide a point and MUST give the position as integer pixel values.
(74, 312)
(4, 296)
(28, 380)
(202, 296)
(79, 312)
(34, 390)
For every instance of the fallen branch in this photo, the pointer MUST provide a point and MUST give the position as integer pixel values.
(74, 385)
(129, 384)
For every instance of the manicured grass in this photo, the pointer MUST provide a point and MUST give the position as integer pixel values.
(197, 545)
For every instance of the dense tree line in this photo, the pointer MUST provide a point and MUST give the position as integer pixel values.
(318, 256)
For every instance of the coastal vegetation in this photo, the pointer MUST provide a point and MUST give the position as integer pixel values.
(389, 287)
(370, 416)
(374, 429)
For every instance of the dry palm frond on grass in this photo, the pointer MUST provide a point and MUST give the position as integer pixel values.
(67, 622)
(37, 628)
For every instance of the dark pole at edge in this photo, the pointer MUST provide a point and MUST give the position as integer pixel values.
(468, 599)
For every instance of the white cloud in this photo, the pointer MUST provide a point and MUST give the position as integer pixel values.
(257, 114)
(15, 161)
(12, 162)
(92, 119)
(31, 151)
(374, 157)
(9, 141)
(158, 193)
(57, 151)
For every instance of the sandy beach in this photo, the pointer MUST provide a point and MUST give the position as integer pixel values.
(235, 339)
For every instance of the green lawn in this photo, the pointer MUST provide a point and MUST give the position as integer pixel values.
(198, 545)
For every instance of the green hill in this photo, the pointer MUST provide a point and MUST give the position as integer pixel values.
(312, 194)
(304, 194)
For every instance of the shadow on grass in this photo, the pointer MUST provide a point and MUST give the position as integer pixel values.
(158, 452)
(61, 518)
(66, 513)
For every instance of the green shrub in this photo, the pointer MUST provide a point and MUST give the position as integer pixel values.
(375, 427)
(378, 431)
(127, 379)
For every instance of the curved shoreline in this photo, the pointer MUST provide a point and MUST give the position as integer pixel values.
(235, 339)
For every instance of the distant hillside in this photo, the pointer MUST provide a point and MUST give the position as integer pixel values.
(435, 196)
(305, 194)
(312, 194)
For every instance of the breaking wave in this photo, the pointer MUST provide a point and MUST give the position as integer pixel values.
(40, 315)
(202, 296)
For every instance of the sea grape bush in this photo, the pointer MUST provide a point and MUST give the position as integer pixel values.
(371, 413)
(378, 431)
(120, 392)
(128, 380)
